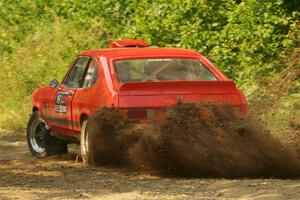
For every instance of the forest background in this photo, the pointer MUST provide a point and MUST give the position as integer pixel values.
(256, 43)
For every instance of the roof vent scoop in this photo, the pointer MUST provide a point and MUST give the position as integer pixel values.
(128, 43)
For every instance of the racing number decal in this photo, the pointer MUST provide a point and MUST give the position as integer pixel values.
(61, 102)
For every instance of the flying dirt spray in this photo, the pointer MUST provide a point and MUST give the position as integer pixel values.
(195, 140)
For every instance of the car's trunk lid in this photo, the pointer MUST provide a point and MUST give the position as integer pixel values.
(167, 93)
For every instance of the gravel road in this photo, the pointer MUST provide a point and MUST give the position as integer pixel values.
(61, 177)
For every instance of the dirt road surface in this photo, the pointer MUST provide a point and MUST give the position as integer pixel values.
(61, 177)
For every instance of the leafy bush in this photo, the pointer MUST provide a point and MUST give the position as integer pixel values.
(249, 40)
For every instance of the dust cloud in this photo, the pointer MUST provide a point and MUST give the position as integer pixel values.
(195, 140)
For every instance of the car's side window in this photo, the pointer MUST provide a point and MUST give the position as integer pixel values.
(91, 74)
(75, 76)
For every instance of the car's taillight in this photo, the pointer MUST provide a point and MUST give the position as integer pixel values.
(137, 114)
(144, 114)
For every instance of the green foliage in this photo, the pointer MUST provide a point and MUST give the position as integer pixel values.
(249, 40)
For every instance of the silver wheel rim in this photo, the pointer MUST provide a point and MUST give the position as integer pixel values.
(36, 139)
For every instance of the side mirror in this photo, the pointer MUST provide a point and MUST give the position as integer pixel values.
(54, 83)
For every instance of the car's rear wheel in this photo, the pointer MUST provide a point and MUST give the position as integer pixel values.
(88, 148)
(100, 139)
(84, 144)
(40, 142)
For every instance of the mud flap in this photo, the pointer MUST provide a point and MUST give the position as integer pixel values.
(53, 145)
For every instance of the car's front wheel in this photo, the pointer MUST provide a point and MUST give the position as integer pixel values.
(40, 142)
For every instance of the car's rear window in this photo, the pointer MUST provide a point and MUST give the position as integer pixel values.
(161, 69)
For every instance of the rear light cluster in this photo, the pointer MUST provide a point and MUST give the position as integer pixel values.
(144, 114)
(237, 110)
(160, 114)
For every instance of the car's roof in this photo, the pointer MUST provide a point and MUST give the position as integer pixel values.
(140, 52)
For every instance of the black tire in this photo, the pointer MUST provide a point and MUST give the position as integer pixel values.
(101, 142)
(39, 140)
(88, 143)
(92, 145)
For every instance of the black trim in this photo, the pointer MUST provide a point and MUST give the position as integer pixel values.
(63, 122)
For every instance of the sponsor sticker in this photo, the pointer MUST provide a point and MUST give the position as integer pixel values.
(61, 102)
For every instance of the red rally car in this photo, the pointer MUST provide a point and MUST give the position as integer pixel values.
(129, 76)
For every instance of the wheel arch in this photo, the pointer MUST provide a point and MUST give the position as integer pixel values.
(83, 117)
(34, 109)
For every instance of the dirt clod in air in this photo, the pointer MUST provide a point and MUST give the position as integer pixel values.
(195, 140)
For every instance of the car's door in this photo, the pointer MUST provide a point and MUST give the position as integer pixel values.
(60, 104)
